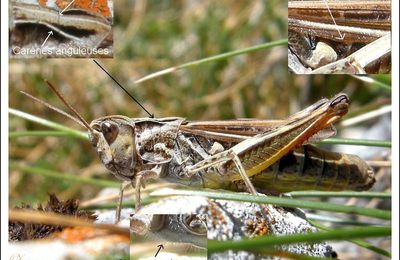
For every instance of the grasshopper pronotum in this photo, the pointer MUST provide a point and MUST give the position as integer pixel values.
(247, 154)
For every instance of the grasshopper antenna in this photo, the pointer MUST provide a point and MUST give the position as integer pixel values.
(53, 108)
(61, 97)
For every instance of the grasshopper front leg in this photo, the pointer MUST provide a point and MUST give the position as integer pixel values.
(140, 180)
(123, 186)
(137, 183)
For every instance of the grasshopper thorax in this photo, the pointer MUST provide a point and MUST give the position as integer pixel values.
(113, 138)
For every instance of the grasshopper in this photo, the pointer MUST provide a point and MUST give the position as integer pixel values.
(231, 154)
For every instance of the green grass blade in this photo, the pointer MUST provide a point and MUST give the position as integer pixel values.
(342, 194)
(361, 243)
(18, 134)
(262, 242)
(280, 254)
(83, 135)
(362, 142)
(227, 55)
(279, 201)
(338, 220)
(374, 82)
(126, 204)
(63, 176)
(49, 124)
(218, 57)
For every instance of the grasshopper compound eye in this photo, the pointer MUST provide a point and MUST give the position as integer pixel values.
(110, 131)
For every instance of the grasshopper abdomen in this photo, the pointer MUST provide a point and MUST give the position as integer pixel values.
(310, 168)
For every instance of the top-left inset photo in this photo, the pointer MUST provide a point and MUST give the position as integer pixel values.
(61, 29)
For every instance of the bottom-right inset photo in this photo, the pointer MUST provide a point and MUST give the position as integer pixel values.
(168, 236)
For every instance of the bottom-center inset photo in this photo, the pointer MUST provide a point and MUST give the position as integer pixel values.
(169, 236)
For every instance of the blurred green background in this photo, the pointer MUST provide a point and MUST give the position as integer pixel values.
(150, 36)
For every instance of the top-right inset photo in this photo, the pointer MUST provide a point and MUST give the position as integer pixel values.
(339, 37)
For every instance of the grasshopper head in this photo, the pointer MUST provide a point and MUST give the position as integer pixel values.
(328, 111)
(114, 141)
(113, 137)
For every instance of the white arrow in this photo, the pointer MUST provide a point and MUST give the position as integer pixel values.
(330, 13)
(45, 40)
(61, 13)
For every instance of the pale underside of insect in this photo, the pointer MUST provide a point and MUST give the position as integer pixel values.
(233, 220)
(178, 228)
(245, 155)
(31, 23)
(325, 32)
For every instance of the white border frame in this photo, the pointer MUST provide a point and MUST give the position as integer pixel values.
(395, 129)
(4, 129)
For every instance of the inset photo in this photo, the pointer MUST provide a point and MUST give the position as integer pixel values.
(169, 236)
(61, 29)
(339, 37)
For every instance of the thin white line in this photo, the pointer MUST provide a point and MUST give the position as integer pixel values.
(45, 40)
(67, 7)
(330, 13)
